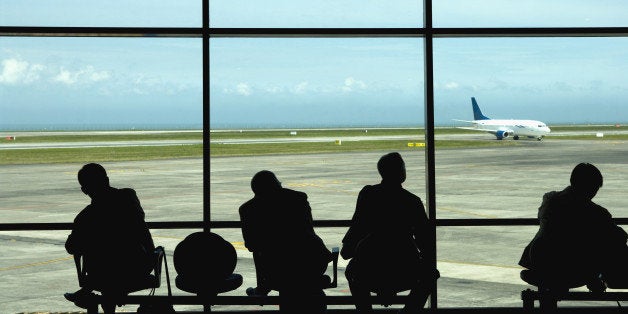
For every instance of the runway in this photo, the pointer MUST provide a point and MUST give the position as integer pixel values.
(478, 264)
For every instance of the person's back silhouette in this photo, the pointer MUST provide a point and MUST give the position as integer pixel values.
(276, 216)
(387, 239)
(111, 235)
(577, 240)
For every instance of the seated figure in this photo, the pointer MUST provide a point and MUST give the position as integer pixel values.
(112, 237)
(387, 241)
(577, 243)
(277, 226)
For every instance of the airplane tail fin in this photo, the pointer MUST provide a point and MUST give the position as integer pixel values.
(477, 113)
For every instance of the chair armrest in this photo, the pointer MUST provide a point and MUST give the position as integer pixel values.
(80, 270)
(335, 251)
(159, 255)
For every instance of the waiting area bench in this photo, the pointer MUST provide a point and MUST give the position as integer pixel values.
(231, 300)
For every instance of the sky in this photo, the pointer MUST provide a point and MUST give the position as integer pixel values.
(309, 82)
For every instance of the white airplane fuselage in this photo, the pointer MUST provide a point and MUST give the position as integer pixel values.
(514, 128)
(503, 128)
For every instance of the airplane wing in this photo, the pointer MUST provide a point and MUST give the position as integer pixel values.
(499, 133)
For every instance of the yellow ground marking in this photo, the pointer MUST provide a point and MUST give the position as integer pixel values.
(239, 245)
(36, 264)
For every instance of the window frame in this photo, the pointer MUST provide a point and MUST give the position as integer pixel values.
(206, 32)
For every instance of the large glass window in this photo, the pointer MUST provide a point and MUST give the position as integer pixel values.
(316, 106)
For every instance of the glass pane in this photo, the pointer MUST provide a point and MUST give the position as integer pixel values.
(113, 13)
(530, 13)
(134, 105)
(571, 84)
(325, 13)
(291, 98)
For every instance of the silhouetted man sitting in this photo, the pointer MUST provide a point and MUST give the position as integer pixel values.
(111, 235)
(577, 241)
(387, 239)
(289, 256)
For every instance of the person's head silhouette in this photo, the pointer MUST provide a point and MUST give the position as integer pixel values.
(264, 182)
(392, 168)
(93, 179)
(586, 179)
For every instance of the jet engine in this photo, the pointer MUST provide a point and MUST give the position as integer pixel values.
(502, 134)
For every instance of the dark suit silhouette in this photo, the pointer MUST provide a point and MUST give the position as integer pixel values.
(389, 232)
(111, 234)
(577, 240)
(277, 227)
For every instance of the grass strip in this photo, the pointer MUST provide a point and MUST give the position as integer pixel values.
(101, 154)
(98, 154)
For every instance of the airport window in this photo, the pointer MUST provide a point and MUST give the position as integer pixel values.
(225, 73)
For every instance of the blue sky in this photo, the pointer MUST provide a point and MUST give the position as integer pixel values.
(294, 82)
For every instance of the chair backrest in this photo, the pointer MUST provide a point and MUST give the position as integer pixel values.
(205, 262)
(205, 255)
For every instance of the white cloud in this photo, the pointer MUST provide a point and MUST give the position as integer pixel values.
(243, 89)
(274, 89)
(65, 77)
(301, 88)
(353, 84)
(99, 76)
(15, 71)
(85, 75)
(451, 85)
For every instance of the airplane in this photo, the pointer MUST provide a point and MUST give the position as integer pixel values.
(502, 128)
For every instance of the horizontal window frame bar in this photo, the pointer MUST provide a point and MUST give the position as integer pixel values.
(53, 31)
(233, 224)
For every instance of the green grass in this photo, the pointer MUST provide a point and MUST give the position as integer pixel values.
(101, 154)
(56, 137)
(98, 154)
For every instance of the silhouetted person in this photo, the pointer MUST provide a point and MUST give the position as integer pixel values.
(577, 240)
(277, 227)
(111, 235)
(386, 240)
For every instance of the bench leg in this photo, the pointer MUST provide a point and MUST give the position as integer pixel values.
(528, 299)
(548, 303)
(92, 309)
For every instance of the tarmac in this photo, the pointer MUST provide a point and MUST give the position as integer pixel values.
(478, 265)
